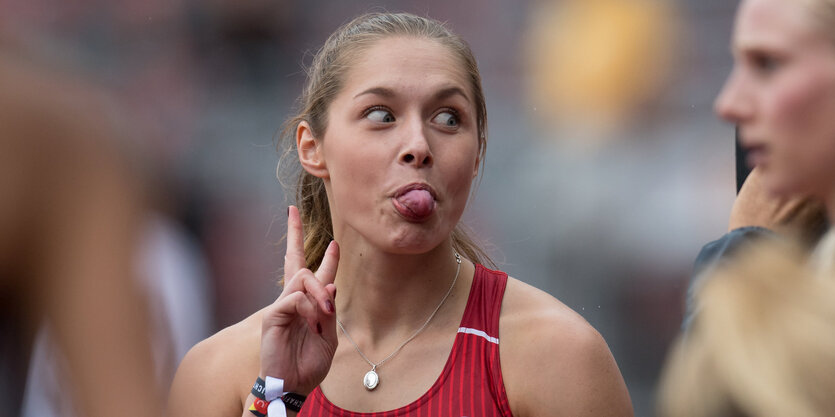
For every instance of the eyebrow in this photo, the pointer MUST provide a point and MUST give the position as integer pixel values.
(440, 95)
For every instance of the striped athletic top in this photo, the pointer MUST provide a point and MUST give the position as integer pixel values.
(471, 381)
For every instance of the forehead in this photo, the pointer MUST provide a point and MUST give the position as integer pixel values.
(774, 23)
(406, 64)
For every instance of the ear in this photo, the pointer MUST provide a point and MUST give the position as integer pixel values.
(310, 151)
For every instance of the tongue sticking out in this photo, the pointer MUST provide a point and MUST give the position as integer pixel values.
(418, 203)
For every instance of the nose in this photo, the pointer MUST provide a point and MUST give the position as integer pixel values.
(734, 102)
(416, 150)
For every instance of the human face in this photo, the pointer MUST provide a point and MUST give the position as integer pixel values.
(401, 147)
(781, 94)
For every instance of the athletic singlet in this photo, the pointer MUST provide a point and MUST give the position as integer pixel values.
(471, 381)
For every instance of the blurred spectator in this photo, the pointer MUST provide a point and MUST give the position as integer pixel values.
(784, 118)
(70, 214)
(781, 95)
(762, 343)
(172, 277)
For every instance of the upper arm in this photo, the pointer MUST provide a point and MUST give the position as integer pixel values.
(555, 364)
(208, 381)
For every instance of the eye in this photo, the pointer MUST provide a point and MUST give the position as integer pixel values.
(446, 118)
(764, 63)
(379, 115)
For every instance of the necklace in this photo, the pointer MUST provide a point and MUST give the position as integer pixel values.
(371, 378)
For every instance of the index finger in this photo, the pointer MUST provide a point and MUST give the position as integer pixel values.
(294, 257)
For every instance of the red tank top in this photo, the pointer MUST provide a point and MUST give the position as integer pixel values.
(471, 382)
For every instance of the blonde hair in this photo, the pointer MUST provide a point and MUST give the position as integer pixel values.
(325, 77)
(762, 343)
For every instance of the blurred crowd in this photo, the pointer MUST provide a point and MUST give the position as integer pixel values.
(606, 170)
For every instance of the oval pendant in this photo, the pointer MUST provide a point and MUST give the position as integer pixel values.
(371, 380)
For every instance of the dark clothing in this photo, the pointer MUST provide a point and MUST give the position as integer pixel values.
(714, 253)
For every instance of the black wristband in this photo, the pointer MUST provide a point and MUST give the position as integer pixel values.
(259, 389)
(293, 401)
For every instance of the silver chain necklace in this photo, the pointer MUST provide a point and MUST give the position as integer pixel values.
(371, 379)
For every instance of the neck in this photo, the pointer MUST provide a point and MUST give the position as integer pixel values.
(383, 295)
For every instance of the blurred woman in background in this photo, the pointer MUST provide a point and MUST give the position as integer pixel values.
(761, 340)
(762, 344)
(781, 94)
(70, 216)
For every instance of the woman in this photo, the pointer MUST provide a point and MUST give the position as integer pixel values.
(70, 217)
(781, 94)
(391, 134)
(762, 345)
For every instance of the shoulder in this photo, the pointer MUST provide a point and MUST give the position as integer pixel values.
(553, 361)
(215, 376)
(534, 316)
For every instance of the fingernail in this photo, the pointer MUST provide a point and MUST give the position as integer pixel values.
(318, 328)
(329, 306)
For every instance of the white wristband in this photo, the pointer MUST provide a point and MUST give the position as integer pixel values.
(274, 391)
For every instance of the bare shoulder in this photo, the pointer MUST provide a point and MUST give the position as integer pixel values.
(529, 313)
(215, 376)
(555, 363)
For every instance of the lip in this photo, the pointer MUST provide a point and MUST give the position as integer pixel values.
(756, 147)
(415, 186)
(404, 211)
(756, 154)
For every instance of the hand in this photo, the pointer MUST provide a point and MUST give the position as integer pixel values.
(756, 206)
(298, 336)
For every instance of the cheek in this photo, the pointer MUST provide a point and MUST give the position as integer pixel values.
(461, 169)
(794, 105)
(354, 170)
(803, 124)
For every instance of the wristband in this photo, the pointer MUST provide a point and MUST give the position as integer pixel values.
(293, 401)
(258, 389)
(266, 394)
(259, 407)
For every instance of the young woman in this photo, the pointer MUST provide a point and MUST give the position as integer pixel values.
(762, 345)
(781, 94)
(391, 135)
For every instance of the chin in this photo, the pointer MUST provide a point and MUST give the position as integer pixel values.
(413, 247)
(415, 244)
(785, 186)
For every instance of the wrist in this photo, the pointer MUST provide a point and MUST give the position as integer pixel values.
(288, 384)
(270, 397)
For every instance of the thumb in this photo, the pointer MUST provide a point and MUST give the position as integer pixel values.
(328, 321)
